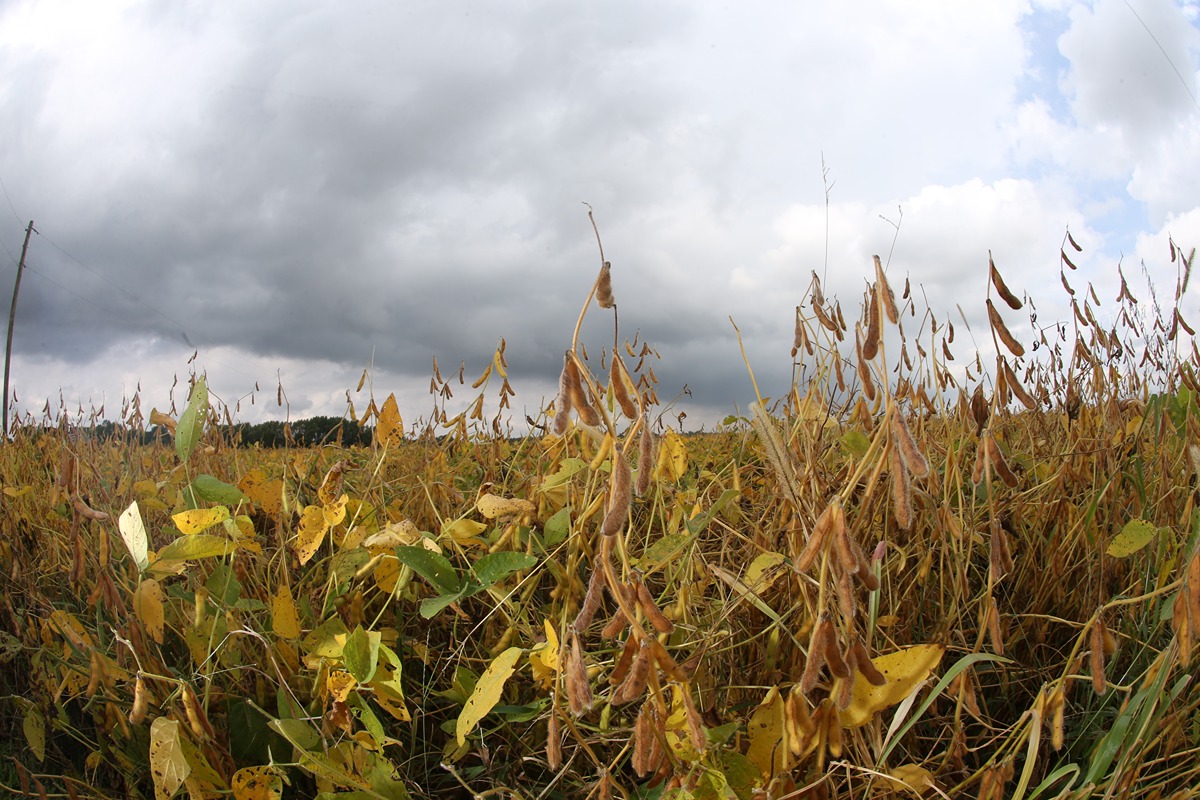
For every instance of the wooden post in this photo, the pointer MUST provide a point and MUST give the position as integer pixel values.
(12, 318)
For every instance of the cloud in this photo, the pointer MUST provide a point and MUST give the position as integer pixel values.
(276, 187)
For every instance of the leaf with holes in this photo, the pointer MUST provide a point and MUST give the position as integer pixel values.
(199, 519)
(168, 765)
(1136, 534)
(191, 422)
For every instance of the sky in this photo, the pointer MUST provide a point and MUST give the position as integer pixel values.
(285, 194)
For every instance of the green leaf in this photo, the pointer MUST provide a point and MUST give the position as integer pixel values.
(200, 545)
(223, 585)
(322, 641)
(487, 692)
(741, 774)
(1136, 534)
(664, 550)
(191, 422)
(133, 533)
(298, 732)
(34, 727)
(213, 490)
(430, 606)
(855, 443)
(433, 567)
(497, 566)
(361, 653)
(557, 527)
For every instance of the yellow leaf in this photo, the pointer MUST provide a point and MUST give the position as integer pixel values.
(493, 506)
(487, 692)
(544, 659)
(148, 606)
(765, 732)
(763, 571)
(915, 778)
(312, 533)
(387, 574)
(133, 533)
(15, 492)
(392, 536)
(390, 429)
(1136, 534)
(904, 670)
(267, 494)
(466, 532)
(257, 783)
(285, 621)
(340, 684)
(672, 457)
(335, 512)
(168, 766)
(199, 519)
(392, 703)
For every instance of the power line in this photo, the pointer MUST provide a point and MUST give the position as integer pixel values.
(1183, 82)
(10, 203)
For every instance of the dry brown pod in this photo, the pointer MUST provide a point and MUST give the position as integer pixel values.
(653, 613)
(1001, 288)
(604, 292)
(870, 345)
(623, 388)
(902, 502)
(1010, 341)
(814, 662)
(591, 600)
(910, 453)
(887, 297)
(619, 498)
(830, 650)
(816, 538)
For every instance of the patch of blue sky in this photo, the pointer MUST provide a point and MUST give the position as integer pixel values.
(1046, 65)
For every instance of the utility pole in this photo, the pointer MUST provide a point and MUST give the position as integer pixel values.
(12, 318)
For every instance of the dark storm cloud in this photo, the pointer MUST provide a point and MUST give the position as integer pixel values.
(399, 182)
